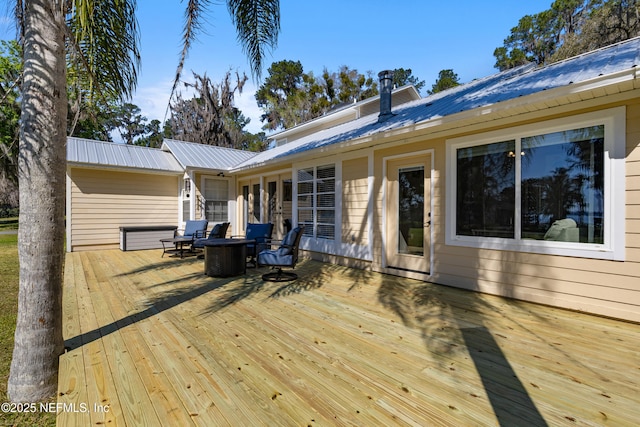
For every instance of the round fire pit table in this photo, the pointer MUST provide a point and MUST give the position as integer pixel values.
(225, 257)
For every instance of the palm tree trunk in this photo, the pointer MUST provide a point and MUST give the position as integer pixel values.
(42, 169)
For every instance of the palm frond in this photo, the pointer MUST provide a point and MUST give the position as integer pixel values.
(257, 23)
(104, 45)
(193, 24)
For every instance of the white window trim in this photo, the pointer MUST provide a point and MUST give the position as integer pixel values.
(614, 120)
(182, 196)
(314, 195)
(312, 243)
(230, 196)
(385, 196)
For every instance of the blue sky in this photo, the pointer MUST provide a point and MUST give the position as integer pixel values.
(368, 35)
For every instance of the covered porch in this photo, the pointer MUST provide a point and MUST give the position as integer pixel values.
(154, 341)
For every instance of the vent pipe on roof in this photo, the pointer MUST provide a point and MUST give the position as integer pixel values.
(386, 85)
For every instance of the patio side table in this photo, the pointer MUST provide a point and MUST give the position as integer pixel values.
(225, 257)
(177, 243)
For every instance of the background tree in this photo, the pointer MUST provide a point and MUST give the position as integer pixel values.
(103, 36)
(128, 121)
(210, 116)
(403, 77)
(612, 22)
(354, 86)
(154, 137)
(289, 96)
(446, 79)
(568, 28)
(90, 121)
(534, 39)
(10, 79)
(277, 96)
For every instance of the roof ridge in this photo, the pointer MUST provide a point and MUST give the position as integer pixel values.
(206, 145)
(590, 53)
(112, 143)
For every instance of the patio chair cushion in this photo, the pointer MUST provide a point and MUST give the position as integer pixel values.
(287, 243)
(195, 228)
(261, 233)
(286, 254)
(267, 257)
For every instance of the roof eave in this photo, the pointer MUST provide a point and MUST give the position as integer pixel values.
(84, 165)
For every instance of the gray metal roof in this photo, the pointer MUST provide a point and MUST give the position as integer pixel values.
(176, 156)
(201, 156)
(500, 87)
(92, 153)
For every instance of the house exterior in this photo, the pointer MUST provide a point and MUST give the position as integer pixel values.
(524, 184)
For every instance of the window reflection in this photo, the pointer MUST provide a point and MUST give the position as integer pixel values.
(486, 190)
(411, 210)
(562, 186)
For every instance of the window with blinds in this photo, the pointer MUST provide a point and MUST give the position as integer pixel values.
(216, 196)
(317, 201)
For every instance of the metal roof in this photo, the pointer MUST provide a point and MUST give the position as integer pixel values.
(201, 156)
(500, 87)
(92, 153)
(400, 95)
(176, 156)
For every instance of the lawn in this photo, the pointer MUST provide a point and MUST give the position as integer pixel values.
(8, 313)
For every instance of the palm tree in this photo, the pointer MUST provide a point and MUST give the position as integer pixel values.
(100, 38)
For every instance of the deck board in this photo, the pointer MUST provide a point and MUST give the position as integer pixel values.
(162, 344)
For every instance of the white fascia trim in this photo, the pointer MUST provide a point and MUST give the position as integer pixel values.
(123, 169)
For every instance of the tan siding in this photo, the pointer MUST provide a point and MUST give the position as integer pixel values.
(355, 198)
(531, 268)
(632, 196)
(600, 286)
(103, 201)
(633, 240)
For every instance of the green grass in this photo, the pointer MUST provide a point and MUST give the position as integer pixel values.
(8, 313)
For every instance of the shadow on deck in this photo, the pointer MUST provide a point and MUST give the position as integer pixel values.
(155, 339)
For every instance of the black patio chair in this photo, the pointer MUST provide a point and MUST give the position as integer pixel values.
(219, 231)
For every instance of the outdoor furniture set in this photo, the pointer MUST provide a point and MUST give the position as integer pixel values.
(227, 257)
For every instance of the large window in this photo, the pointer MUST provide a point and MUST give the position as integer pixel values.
(540, 188)
(562, 186)
(317, 201)
(216, 199)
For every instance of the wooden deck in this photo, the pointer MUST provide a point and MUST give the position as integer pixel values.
(153, 341)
